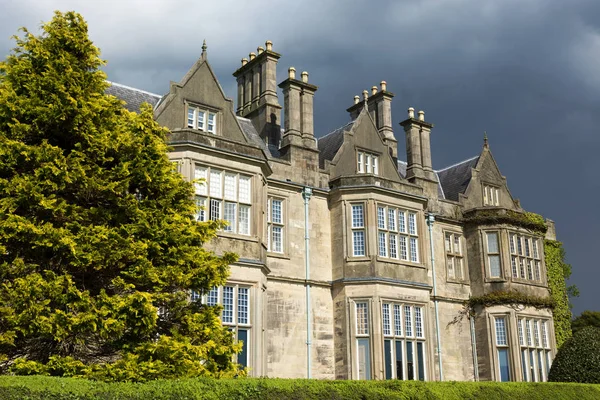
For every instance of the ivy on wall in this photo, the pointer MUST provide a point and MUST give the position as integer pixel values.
(558, 273)
(528, 220)
(509, 298)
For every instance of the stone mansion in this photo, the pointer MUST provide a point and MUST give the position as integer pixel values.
(354, 261)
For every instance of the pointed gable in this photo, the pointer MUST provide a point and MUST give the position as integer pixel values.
(361, 135)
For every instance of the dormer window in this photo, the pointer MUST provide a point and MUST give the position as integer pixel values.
(367, 163)
(201, 119)
(490, 196)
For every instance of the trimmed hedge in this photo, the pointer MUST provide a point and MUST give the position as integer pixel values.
(578, 360)
(49, 388)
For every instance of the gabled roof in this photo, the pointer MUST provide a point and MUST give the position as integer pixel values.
(330, 144)
(455, 178)
(133, 98)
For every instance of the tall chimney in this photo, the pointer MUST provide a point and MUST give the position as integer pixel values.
(418, 147)
(298, 110)
(380, 106)
(257, 92)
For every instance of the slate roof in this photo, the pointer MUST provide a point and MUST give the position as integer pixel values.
(330, 144)
(455, 178)
(132, 97)
(253, 136)
(402, 170)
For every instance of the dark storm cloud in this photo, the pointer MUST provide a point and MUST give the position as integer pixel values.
(524, 71)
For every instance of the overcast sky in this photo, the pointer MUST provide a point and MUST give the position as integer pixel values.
(525, 71)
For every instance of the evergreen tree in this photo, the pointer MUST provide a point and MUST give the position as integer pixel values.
(99, 247)
(587, 318)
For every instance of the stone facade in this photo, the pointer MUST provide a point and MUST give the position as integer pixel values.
(353, 264)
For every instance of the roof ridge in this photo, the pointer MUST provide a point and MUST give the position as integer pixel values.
(132, 88)
(244, 118)
(457, 164)
(336, 129)
(440, 184)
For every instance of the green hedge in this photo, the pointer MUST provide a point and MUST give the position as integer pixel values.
(48, 388)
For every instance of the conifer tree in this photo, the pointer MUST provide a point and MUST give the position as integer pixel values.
(99, 247)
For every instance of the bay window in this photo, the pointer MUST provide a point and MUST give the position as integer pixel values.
(493, 254)
(502, 348)
(534, 341)
(525, 257)
(397, 233)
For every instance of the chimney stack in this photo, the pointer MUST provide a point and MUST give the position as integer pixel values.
(257, 92)
(418, 147)
(298, 110)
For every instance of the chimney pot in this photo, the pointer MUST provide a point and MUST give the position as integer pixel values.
(365, 95)
(383, 86)
(411, 112)
(244, 61)
(269, 45)
(373, 90)
(252, 56)
(292, 73)
(305, 77)
(260, 49)
(421, 115)
(356, 99)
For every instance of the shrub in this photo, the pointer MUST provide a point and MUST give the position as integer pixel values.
(578, 360)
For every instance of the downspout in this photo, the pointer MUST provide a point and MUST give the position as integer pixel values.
(474, 347)
(430, 221)
(306, 194)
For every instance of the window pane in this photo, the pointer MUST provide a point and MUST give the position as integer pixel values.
(215, 183)
(201, 209)
(504, 366)
(357, 216)
(418, 322)
(538, 276)
(200, 173)
(520, 329)
(276, 213)
(360, 162)
(190, 120)
(392, 219)
(375, 165)
(412, 223)
(243, 302)
(535, 248)
(410, 366)
(450, 263)
(212, 122)
(407, 321)
(387, 329)
(244, 189)
(528, 330)
(387, 354)
(519, 245)
(397, 320)
(403, 250)
(494, 266)
(195, 295)
(228, 304)
(544, 335)
(382, 244)
(381, 217)
(529, 270)
(402, 221)
(413, 250)
(230, 186)
(393, 249)
(215, 209)
(492, 240)
(242, 357)
(458, 268)
(358, 243)
(527, 253)
(230, 216)
(212, 298)
(399, 360)
(362, 319)
(201, 120)
(512, 244)
(421, 361)
(524, 364)
(277, 239)
(513, 263)
(456, 248)
(448, 243)
(244, 220)
(501, 332)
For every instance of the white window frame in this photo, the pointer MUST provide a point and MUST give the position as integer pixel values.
(406, 325)
(525, 255)
(276, 225)
(398, 238)
(215, 196)
(367, 163)
(358, 230)
(489, 254)
(491, 195)
(199, 118)
(535, 347)
(455, 260)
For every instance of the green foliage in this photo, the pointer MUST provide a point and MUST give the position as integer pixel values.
(97, 230)
(46, 388)
(587, 318)
(578, 360)
(528, 220)
(510, 298)
(558, 272)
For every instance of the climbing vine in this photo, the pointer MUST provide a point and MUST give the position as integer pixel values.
(558, 273)
(509, 298)
(528, 220)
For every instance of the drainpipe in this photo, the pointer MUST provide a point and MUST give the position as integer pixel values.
(430, 221)
(306, 194)
(474, 346)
